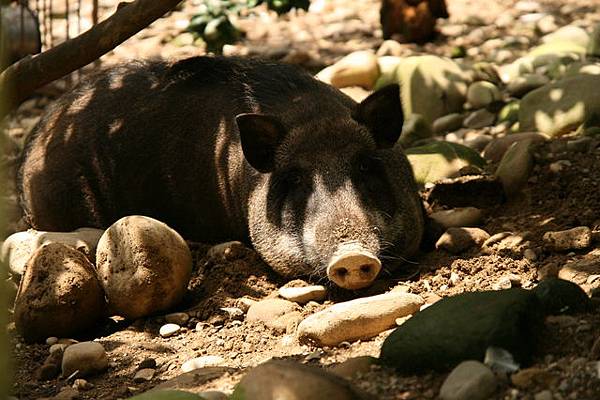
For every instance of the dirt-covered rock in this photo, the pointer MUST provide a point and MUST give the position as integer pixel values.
(143, 265)
(59, 295)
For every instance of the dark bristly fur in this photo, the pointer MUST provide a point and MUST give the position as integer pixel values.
(162, 140)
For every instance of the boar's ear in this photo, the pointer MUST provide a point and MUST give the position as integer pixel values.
(381, 112)
(260, 135)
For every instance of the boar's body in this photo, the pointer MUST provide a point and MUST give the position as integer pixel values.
(224, 149)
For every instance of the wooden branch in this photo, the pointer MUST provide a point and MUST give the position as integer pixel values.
(21, 79)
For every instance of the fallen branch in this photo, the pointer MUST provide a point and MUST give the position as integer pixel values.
(21, 79)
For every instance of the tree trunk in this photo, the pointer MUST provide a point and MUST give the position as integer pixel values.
(21, 79)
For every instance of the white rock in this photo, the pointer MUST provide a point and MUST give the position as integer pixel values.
(570, 33)
(51, 340)
(571, 239)
(18, 247)
(457, 217)
(144, 375)
(470, 380)
(358, 319)
(169, 330)
(86, 357)
(202, 362)
(303, 294)
(143, 265)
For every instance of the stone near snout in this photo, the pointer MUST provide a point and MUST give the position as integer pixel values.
(302, 293)
(357, 319)
(86, 357)
(277, 314)
(59, 294)
(143, 265)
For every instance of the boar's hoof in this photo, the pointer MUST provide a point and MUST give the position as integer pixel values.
(353, 268)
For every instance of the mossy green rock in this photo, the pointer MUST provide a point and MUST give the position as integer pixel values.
(431, 86)
(560, 107)
(559, 296)
(167, 395)
(439, 160)
(509, 113)
(462, 327)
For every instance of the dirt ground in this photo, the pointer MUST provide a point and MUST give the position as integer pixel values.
(551, 201)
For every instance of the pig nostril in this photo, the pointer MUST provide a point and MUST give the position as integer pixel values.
(341, 272)
(365, 269)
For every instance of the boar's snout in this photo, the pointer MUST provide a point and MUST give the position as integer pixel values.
(353, 267)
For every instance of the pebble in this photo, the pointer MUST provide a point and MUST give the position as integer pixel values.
(144, 375)
(277, 314)
(533, 376)
(303, 294)
(515, 167)
(448, 123)
(86, 357)
(353, 366)
(470, 380)
(51, 340)
(480, 119)
(457, 217)
(356, 69)
(457, 240)
(82, 384)
(481, 94)
(202, 362)
(227, 251)
(530, 255)
(147, 363)
(179, 318)
(543, 395)
(169, 330)
(357, 319)
(572, 239)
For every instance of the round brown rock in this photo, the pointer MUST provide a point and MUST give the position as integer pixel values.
(59, 294)
(143, 265)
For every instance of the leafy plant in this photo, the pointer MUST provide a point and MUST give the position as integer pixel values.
(213, 24)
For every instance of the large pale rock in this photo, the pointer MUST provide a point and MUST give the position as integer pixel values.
(358, 319)
(431, 86)
(143, 265)
(18, 247)
(86, 357)
(59, 295)
(470, 380)
(440, 160)
(569, 33)
(562, 106)
(287, 380)
(360, 68)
